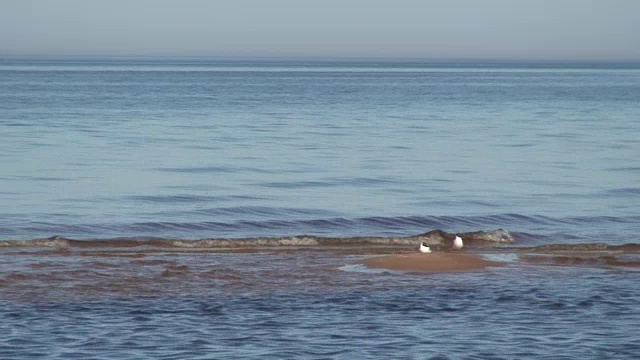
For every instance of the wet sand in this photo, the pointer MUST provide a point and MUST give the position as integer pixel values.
(433, 262)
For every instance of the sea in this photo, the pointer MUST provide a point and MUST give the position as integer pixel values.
(196, 208)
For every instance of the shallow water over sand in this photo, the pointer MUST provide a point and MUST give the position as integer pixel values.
(293, 302)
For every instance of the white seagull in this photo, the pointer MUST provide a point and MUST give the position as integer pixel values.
(457, 243)
(424, 248)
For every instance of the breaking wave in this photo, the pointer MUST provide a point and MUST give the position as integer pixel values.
(436, 238)
(497, 243)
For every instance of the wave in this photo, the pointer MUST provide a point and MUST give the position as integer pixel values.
(493, 244)
(436, 238)
(496, 245)
(591, 254)
(267, 221)
(582, 247)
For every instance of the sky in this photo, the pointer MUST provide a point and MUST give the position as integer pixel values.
(476, 29)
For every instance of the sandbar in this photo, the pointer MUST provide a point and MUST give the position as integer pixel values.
(433, 262)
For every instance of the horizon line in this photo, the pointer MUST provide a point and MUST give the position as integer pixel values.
(460, 59)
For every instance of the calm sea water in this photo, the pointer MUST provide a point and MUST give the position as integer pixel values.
(191, 149)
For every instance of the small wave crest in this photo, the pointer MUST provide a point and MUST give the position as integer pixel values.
(436, 238)
(586, 247)
(589, 254)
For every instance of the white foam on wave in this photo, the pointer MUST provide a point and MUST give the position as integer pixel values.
(505, 258)
(53, 243)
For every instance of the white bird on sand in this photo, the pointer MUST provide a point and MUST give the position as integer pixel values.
(457, 243)
(424, 248)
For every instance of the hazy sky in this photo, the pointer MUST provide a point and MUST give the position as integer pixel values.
(533, 29)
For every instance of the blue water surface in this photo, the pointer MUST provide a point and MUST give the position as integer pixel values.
(200, 148)
(204, 148)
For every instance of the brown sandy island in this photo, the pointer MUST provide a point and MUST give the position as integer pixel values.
(433, 262)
